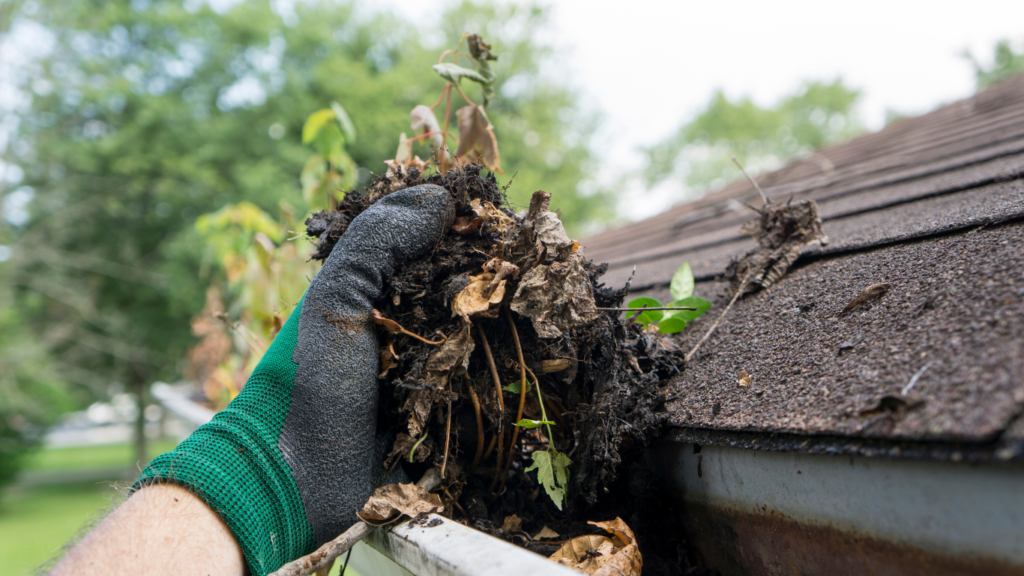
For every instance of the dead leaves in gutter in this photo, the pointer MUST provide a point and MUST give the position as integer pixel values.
(617, 555)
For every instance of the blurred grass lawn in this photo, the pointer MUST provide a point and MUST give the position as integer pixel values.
(36, 521)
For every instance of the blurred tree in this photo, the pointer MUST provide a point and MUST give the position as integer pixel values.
(699, 154)
(1006, 63)
(143, 114)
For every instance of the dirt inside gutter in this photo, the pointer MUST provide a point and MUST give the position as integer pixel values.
(602, 377)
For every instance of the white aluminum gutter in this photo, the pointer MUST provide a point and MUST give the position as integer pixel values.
(446, 548)
(795, 510)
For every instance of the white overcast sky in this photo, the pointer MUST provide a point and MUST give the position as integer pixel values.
(903, 55)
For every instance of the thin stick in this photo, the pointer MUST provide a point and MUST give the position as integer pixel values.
(439, 100)
(914, 380)
(752, 181)
(326, 554)
(479, 425)
(522, 397)
(490, 447)
(494, 371)
(717, 322)
(447, 439)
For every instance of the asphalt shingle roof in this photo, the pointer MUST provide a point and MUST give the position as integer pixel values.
(934, 206)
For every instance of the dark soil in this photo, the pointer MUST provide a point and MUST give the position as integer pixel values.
(608, 403)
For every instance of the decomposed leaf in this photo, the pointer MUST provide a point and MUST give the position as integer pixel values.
(553, 473)
(476, 138)
(391, 502)
(478, 298)
(453, 73)
(512, 523)
(682, 282)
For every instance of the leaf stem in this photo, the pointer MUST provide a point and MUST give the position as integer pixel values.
(543, 413)
(416, 445)
(522, 395)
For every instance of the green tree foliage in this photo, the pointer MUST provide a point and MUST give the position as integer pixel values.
(145, 114)
(1006, 63)
(699, 153)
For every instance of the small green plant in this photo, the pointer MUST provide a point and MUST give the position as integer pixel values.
(672, 321)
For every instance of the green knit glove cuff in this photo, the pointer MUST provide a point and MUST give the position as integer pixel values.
(233, 463)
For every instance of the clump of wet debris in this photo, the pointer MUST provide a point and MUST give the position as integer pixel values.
(502, 298)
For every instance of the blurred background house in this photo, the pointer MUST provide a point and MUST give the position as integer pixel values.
(154, 179)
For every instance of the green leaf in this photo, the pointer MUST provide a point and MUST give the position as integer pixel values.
(700, 304)
(553, 473)
(453, 73)
(347, 127)
(682, 282)
(671, 325)
(515, 389)
(645, 317)
(315, 122)
(531, 424)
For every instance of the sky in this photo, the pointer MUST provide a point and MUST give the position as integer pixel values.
(672, 55)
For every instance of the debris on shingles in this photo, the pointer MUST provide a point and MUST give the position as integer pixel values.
(869, 294)
(745, 379)
(601, 376)
(782, 232)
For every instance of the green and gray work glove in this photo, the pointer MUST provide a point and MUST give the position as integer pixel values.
(290, 460)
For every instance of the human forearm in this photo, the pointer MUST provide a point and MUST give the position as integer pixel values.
(161, 529)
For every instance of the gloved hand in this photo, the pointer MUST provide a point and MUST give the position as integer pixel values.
(290, 460)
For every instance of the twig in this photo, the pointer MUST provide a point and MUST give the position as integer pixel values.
(239, 328)
(490, 447)
(447, 439)
(522, 396)
(325, 555)
(914, 379)
(752, 181)
(494, 371)
(479, 425)
(735, 297)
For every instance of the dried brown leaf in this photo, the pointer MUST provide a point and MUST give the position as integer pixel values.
(424, 121)
(745, 379)
(601, 555)
(454, 353)
(549, 366)
(478, 298)
(387, 359)
(870, 293)
(418, 406)
(476, 138)
(512, 523)
(546, 533)
(391, 502)
(466, 225)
